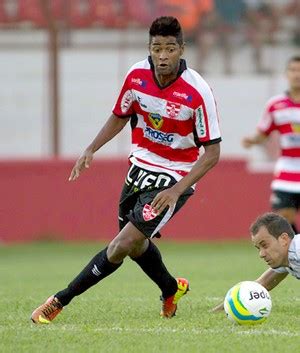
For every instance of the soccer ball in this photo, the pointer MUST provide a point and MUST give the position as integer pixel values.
(247, 303)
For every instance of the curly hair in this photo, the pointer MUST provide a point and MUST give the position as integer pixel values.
(166, 26)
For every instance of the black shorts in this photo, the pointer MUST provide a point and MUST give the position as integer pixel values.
(140, 188)
(284, 199)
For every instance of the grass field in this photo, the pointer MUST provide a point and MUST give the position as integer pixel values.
(121, 314)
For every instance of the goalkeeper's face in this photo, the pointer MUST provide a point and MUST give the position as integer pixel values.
(165, 52)
(274, 251)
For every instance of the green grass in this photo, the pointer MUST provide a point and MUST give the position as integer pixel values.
(121, 314)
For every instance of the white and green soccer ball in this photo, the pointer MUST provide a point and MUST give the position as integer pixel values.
(247, 303)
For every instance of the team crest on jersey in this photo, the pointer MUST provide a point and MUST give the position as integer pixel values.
(173, 109)
(126, 101)
(156, 120)
(148, 213)
(296, 128)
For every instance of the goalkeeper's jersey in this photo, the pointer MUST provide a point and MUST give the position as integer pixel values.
(294, 259)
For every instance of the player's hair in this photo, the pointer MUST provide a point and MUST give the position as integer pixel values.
(293, 59)
(166, 26)
(274, 223)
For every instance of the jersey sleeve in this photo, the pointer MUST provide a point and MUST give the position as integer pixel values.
(266, 125)
(124, 104)
(207, 120)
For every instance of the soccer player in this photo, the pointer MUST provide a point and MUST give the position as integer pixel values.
(283, 115)
(172, 113)
(278, 246)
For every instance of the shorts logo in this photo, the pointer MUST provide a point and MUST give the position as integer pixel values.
(156, 120)
(148, 213)
(126, 101)
(173, 109)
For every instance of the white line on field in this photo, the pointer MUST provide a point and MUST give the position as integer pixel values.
(234, 330)
(198, 331)
(164, 330)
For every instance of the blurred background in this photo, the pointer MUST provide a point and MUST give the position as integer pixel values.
(62, 63)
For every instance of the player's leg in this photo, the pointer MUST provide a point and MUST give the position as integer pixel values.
(172, 289)
(98, 268)
(102, 265)
(148, 257)
(286, 204)
(150, 261)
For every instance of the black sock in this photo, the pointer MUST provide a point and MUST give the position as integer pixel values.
(152, 264)
(294, 228)
(97, 269)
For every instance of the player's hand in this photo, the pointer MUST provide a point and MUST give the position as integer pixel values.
(247, 142)
(166, 198)
(83, 162)
(219, 307)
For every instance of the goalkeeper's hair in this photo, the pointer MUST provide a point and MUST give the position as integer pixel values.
(274, 223)
(166, 26)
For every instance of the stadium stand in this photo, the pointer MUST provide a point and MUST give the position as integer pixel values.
(80, 14)
(30, 12)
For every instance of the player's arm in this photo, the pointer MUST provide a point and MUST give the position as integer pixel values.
(110, 129)
(257, 139)
(269, 279)
(206, 162)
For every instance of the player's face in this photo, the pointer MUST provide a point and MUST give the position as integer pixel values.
(165, 53)
(273, 251)
(293, 75)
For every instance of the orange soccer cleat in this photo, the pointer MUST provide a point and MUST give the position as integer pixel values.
(45, 313)
(169, 305)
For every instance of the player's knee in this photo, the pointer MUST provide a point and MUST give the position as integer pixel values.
(139, 248)
(121, 247)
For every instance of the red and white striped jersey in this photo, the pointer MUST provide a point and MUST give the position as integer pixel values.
(283, 115)
(168, 124)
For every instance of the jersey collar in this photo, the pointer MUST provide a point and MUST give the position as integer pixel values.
(182, 68)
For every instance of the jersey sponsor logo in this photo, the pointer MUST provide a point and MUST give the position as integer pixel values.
(156, 120)
(126, 101)
(183, 96)
(148, 213)
(139, 82)
(200, 122)
(294, 139)
(173, 109)
(158, 136)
